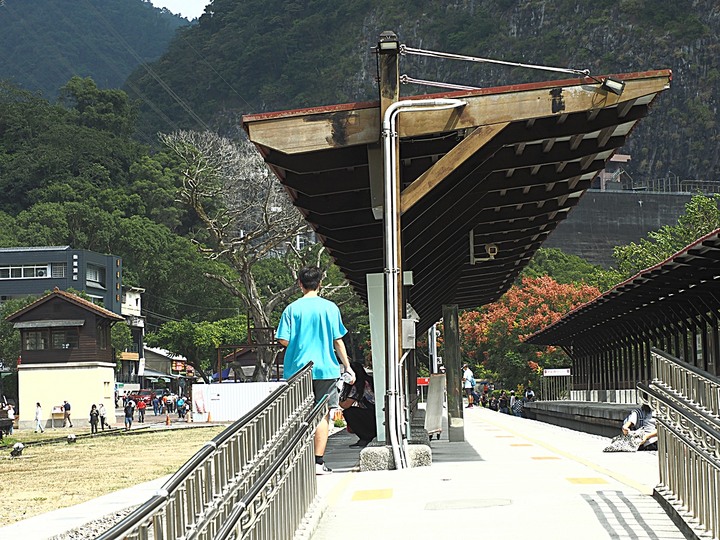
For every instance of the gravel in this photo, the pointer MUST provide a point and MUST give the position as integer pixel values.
(94, 528)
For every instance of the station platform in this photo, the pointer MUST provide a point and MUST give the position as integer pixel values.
(510, 477)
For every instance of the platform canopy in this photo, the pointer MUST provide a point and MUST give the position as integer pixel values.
(498, 173)
(686, 286)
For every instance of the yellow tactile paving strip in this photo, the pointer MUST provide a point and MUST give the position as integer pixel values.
(372, 494)
(587, 480)
(602, 470)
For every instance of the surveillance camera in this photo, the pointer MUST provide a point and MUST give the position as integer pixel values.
(491, 250)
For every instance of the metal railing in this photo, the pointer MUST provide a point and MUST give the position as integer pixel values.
(688, 439)
(555, 388)
(683, 379)
(254, 480)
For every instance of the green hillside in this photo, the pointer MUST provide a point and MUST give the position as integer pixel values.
(261, 55)
(45, 42)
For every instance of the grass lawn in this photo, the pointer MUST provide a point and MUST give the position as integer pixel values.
(56, 475)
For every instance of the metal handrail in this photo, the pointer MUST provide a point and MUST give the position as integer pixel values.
(686, 403)
(698, 386)
(689, 449)
(290, 453)
(193, 503)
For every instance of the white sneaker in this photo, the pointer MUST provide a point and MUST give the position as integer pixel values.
(321, 468)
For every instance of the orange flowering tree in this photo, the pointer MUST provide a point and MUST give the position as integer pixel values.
(493, 336)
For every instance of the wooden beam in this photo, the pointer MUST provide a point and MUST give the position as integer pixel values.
(422, 185)
(323, 128)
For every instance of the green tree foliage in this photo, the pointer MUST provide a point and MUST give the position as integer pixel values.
(255, 56)
(120, 339)
(73, 176)
(493, 335)
(701, 217)
(9, 337)
(565, 269)
(198, 342)
(45, 42)
(104, 110)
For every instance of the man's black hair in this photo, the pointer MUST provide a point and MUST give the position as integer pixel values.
(310, 277)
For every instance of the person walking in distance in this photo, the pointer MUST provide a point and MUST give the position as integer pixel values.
(103, 416)
(141, 406)
(311, 329)
(469, 385)
(66, 414)
(38, 418)
(129, 410)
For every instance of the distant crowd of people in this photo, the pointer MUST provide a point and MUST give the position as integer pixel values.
(505, 402)
(164, 404)
(98, 416)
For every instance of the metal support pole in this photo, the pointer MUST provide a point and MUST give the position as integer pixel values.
(451, 331)
(394, 308)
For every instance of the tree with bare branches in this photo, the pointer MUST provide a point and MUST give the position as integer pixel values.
(247, 217)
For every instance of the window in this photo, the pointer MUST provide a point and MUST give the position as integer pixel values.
(24, 271)
(95, 275)
(40, 340)
(58, 270)
(64, 339)
(36, 340)
(102, 337)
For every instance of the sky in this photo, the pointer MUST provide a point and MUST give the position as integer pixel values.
(190, 9)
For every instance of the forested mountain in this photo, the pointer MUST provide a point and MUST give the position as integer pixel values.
(261, 55)
(45, 42)
(71, 174)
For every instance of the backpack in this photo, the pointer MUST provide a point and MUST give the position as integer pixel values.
(472, 382)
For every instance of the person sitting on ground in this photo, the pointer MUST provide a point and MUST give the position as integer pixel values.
(358, 403)
(642, 422)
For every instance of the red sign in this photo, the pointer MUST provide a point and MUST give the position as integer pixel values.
(423, 381)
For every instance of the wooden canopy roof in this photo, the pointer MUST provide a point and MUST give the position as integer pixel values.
(507, 167)
(685, 286)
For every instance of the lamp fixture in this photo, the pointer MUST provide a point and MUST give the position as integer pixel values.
(615, 86)
(490, 249)
(388, 44)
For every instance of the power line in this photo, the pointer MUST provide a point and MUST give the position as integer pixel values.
(404, 50)
(176, 302)
(149, 70)
(103, 57)
(214, 70)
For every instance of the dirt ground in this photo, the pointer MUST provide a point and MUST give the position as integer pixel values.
(51, 476)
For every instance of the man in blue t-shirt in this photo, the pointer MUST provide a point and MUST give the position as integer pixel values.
(311, 329)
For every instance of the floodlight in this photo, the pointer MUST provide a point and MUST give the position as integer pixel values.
(613, 85)
(388, 43)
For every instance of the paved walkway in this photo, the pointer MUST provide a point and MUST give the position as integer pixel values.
(511, 477)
